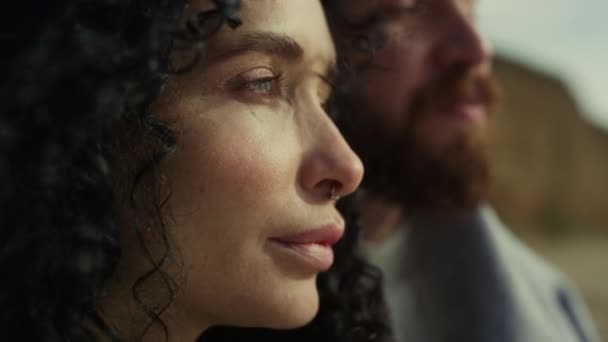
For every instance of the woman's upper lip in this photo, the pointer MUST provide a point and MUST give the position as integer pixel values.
(325, 235)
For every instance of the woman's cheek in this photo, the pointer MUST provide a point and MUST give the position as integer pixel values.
(247, 171)
(243, 159)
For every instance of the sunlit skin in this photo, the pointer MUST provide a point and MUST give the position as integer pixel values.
(256, 159)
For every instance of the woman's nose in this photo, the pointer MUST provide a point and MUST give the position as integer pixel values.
(330, 169)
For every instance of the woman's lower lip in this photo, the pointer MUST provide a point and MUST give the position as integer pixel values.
(316, 256)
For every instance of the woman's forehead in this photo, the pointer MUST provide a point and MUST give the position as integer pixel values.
(288, 27)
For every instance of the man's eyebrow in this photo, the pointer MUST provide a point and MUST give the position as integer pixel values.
(264, 42)
(381, 9)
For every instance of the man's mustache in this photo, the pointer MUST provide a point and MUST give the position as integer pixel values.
(457, 85)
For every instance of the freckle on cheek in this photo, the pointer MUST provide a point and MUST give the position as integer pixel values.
(249, 174)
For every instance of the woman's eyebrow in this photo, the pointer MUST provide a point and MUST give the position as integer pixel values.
(265, 42)
(271, 43)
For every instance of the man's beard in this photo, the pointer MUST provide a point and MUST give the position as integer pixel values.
(404, 166)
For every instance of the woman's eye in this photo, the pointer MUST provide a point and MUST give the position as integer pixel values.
(258, 83)
(263, 86)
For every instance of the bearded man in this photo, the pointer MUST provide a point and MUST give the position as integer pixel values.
(418, 110)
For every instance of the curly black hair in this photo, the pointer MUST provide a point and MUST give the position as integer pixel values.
(75, 71)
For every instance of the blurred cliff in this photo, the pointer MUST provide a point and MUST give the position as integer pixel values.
(550, 163)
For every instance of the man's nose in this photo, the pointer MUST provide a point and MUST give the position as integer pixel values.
(459, 43)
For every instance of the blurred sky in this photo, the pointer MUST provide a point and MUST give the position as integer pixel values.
(568, 38)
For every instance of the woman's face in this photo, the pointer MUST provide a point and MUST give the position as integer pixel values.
(257, 157)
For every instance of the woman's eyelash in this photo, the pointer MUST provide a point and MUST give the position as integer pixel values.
(260, 88)
(327, 98)
(266, 84)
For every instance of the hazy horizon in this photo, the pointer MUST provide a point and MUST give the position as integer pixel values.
(565, 38)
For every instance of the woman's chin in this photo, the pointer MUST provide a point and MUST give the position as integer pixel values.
(300, 309)
(298, 317)
(292, 309)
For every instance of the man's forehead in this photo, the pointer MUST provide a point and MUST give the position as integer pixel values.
(378, 3)
(362, 8)
(395, 2)
(374, 3)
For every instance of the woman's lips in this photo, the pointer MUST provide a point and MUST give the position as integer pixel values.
(326, 235)
(311, 247)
